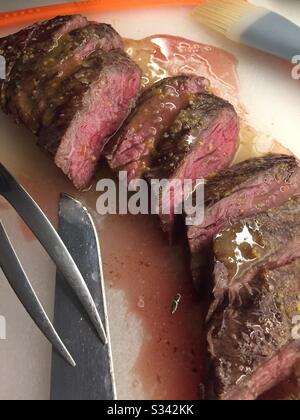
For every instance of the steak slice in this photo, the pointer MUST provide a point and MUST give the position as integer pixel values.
(252, 347)
(35, 39)
(79, 44)
(133, 148)
(91, 105)
(268, 240)
(202, 141)
(246, 189)
(30, 92)
(51, 61)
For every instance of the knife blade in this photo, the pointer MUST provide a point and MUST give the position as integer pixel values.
(93, 377)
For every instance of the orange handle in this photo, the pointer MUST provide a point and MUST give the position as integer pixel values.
(19, 17)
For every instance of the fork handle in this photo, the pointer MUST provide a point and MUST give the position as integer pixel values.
(40, 225)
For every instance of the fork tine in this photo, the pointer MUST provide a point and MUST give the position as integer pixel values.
(39, 224)
(19, 282)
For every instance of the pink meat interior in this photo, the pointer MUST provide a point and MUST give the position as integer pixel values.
(105, 106)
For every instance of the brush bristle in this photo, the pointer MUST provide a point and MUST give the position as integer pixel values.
(221, 15)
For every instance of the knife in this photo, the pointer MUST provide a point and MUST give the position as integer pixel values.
(93, 377)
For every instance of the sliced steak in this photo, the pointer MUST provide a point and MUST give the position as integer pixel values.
(158, 107)
(91, 105)
(38, 79)
(79, 44)
(268, 240)
(34, 40)
(253, 347)
(246, 189)
(66, 87)
(202, 141)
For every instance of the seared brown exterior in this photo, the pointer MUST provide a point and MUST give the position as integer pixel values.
(12, 46)
(20, 48)
(268, 240)
(37, 75)
(72, 85)
(251, 346)
(246, 189)
(226, 182)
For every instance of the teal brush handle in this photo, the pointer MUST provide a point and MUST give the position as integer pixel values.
(274, 34)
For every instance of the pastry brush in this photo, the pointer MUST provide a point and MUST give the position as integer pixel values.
(254, 26)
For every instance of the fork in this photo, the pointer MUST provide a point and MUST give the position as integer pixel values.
(39, 224)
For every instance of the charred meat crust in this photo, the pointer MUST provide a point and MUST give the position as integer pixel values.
(36, 39)
(256, 285)
(35, 80)
(60, 66)
(265, 241)
(241, 186)
(251, 346)
(230, 180)
(245, 189)
(12, 46)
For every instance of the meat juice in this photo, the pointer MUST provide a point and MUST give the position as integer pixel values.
(157, 354)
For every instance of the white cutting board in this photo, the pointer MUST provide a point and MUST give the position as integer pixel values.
(273, 102)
